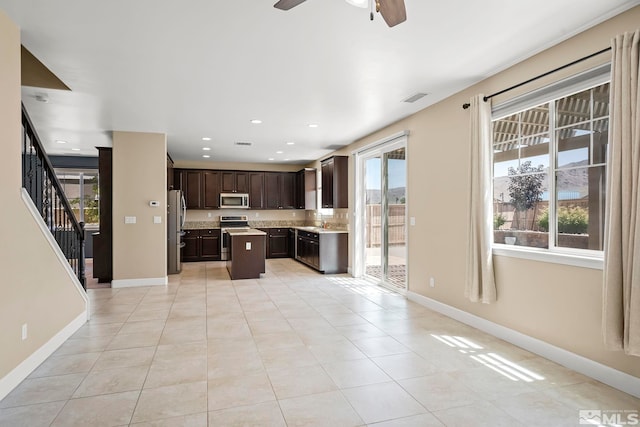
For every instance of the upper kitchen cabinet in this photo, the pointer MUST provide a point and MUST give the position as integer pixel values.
(234, 182)
(256, 190)
(279, 190)
(190, 182)
(170, 177)
(306, 193)
(335, 182)
(210, 189)
(201, 188)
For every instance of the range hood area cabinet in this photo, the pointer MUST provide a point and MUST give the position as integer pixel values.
(267, 190)
(335, 182)
(234, 182)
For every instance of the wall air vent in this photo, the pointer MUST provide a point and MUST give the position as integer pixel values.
(414, 98)
(243, 144)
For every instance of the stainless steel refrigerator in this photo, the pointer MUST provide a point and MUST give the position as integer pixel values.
(176, 212)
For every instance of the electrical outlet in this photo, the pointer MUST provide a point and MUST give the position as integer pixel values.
(294, 214)
(25, 333)
(432, 282)
(208, 214)
(257, 214)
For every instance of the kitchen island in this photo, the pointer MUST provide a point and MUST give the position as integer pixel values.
(246, 253)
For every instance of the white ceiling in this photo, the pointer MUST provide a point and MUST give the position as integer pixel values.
(205, 68)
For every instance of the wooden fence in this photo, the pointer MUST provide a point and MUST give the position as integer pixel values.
(397, 225)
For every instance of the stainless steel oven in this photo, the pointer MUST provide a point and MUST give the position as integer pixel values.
(227, 222)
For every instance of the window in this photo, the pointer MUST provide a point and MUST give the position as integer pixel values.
(549, 160)
(80, 186)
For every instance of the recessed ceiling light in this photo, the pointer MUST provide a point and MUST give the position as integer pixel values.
(286, 160)
(75, 149)
(59, 141)
(279, 152)
(206, 148)
(206, 138)
(313, 125)
(206, 156)
(290, 143)
(256, 121)
(271, 159)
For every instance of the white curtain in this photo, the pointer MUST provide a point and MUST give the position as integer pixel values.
(621, 298)
(480, 283)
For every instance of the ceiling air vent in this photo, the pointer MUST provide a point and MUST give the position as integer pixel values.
(414, 98)
(243, 144)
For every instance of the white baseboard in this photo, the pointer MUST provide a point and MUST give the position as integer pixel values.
(22, 371)
(603, 373)
(134, 283)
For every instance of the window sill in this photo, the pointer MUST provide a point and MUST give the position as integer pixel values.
(542, 255)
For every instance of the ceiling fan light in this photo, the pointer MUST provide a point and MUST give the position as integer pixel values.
(358, 3)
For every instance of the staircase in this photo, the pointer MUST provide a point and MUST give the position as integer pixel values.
(41, 182)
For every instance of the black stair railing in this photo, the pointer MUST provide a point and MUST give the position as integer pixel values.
(41, 182)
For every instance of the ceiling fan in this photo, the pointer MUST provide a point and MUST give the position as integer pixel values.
(393, 11)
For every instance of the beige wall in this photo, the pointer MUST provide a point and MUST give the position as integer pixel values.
(187, 164)
(35, 288)
(557, 304)
(139, 176)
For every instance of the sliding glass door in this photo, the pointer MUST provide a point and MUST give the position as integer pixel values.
(381, 231)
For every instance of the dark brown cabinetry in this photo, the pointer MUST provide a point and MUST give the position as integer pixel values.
(201, 245)
(234, 182)
(335, 182)
(190, 182)
(306, 193)
(201, 188)
(325, 252)
(267, 190)
(103, 241)
(256, 190)
(210, 189)
(170, 177)
(247, 256)
(277, 242)
(279, 190)
(308, 249)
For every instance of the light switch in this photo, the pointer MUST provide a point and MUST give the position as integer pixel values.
(247, 246)
(412, 220)
(129, 219)
(157, 220)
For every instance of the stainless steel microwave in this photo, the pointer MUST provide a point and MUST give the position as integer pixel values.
(234, 200)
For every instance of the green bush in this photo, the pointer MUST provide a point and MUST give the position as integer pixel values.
(498, 221)
(571, 220)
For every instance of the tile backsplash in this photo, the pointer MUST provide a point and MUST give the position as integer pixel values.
(338, 219)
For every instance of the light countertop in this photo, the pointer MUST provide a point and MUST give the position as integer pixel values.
(240, 232)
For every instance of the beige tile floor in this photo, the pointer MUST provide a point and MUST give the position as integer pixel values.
(294, 348)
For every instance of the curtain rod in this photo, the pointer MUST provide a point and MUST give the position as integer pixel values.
(486, 98)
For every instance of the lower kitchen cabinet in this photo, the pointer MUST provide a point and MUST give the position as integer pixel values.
(201, 245)
(325, 252)
(277, 243)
